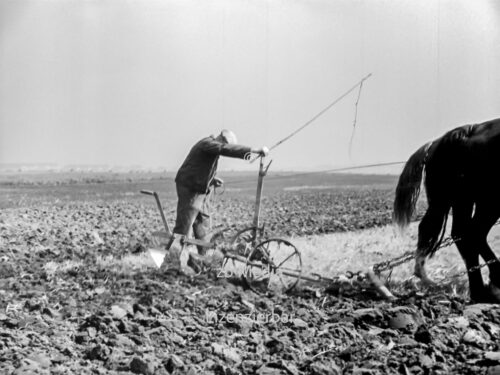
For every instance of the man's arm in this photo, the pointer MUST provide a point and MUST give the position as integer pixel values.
(233, 151)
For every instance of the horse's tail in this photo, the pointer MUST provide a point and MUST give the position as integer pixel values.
(408, 188)
(443, 167)
(441, 161)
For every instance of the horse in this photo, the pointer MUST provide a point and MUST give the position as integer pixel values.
(460, 174)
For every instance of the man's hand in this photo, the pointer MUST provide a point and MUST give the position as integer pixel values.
(264, 151)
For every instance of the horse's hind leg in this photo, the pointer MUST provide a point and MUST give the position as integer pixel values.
(464, 232)
(484, 218)
(429, 231)
(420, 271)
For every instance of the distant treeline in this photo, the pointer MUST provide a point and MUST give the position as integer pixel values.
(72, 178)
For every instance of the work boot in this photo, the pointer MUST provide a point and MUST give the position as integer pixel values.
(196, 262)
(173, 257)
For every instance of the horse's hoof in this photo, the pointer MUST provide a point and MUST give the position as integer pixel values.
(494, 293)
(488, 294)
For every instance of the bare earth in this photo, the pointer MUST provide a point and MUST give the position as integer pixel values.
(80, 295)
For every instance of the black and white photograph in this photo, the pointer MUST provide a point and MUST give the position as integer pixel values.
(233, 187)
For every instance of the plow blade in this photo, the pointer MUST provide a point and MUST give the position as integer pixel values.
(158, 256)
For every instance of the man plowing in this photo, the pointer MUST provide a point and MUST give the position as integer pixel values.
(194, 180)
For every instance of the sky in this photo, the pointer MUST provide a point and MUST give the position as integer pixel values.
(137, 83)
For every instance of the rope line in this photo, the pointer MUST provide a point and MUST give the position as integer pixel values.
(355, 118)
(321, 112)
(320, 172)
(390, 264)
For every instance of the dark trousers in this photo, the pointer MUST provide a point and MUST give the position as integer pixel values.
(192, 212)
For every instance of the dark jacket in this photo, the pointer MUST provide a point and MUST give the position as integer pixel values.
(200, 165)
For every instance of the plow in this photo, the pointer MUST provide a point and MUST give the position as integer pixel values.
(262, 263)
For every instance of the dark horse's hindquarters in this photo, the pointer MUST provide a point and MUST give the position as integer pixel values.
(461, 175)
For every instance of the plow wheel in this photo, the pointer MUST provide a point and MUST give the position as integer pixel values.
(274, 264)
(219, 238)
(242, 243)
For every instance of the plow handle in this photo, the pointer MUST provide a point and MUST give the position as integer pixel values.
(160, 208)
